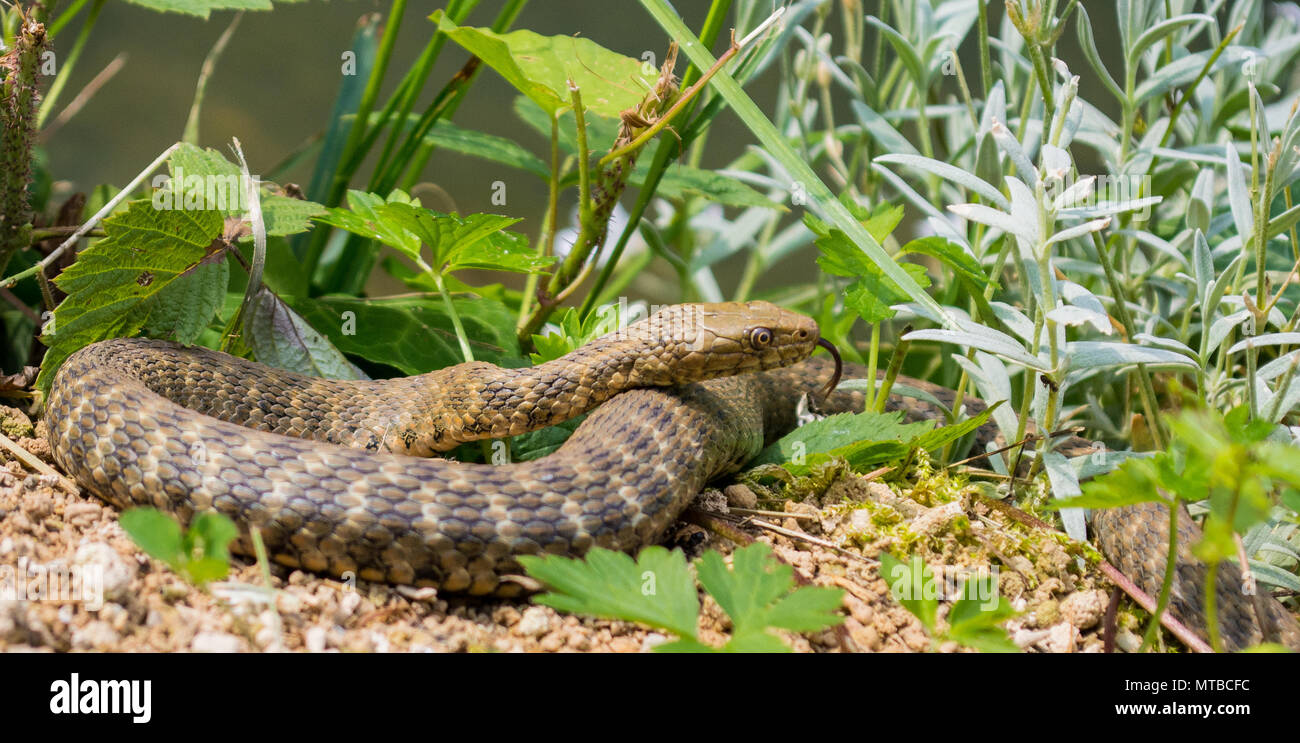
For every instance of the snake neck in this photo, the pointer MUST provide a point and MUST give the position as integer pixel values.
(479, 400)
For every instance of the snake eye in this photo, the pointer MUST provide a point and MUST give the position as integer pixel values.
(760, 337)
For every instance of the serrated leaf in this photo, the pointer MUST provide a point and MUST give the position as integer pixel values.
(113, 285)
(756, 594)
(183, 308)
(952, 255)
(220, 184)
(657, 589)
(1136, 480)
(835, 431)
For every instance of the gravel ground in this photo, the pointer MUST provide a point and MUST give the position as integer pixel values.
(43, 527)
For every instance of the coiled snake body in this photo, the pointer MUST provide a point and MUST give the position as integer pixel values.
(335, 474)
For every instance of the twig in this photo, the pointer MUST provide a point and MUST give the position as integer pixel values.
(777, 514)
(792, 534)
(1177, 628)
(35, 463)
(691, 92)
(1110, 622)
(20, 305)
(83, 97)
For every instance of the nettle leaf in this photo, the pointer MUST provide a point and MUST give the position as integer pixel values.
(473, 241)
(207, 180)
(573, 334)
(186, 306)
(114, 287)
(835, 431)
(862, 439)
(873, 293)
(541, 66)
(1136, 480)
(657, 589)
(952, 255)
(413, 334)
(362, 218)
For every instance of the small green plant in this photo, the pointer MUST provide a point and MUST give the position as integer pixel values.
(1242, 469)
(200, 554)
(970, 622)
(659, 590)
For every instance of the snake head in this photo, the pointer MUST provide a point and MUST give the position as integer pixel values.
(736, 337)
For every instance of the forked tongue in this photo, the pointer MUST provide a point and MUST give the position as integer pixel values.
(839, 366)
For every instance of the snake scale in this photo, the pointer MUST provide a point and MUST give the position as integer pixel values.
(338, 476)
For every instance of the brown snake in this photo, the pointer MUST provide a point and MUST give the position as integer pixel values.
(336, 475)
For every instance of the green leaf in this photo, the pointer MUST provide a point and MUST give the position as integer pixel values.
(657, 589)
(210, 535)
(281, 338)
(204, 570)
(362, 218)
(487, 147)
(183, 309)
(114, 284)
(1136, 480)
(413, 334)
(541, 66)
(873, 293)
(953, 256)
(574, 333)
(912, 585)
(154, 532)
(679, 181)
(202, 8)
(474, 241)
(974, 623)
(756, 594)
(208, 180)
(862, 439)
(844, 429)
(536, 444)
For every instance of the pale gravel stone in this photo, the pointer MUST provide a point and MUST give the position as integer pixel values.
(216, 642)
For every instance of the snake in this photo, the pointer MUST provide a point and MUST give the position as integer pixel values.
(342, 477)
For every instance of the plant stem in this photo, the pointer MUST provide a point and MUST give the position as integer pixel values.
(451, 312)
(1171, 565)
